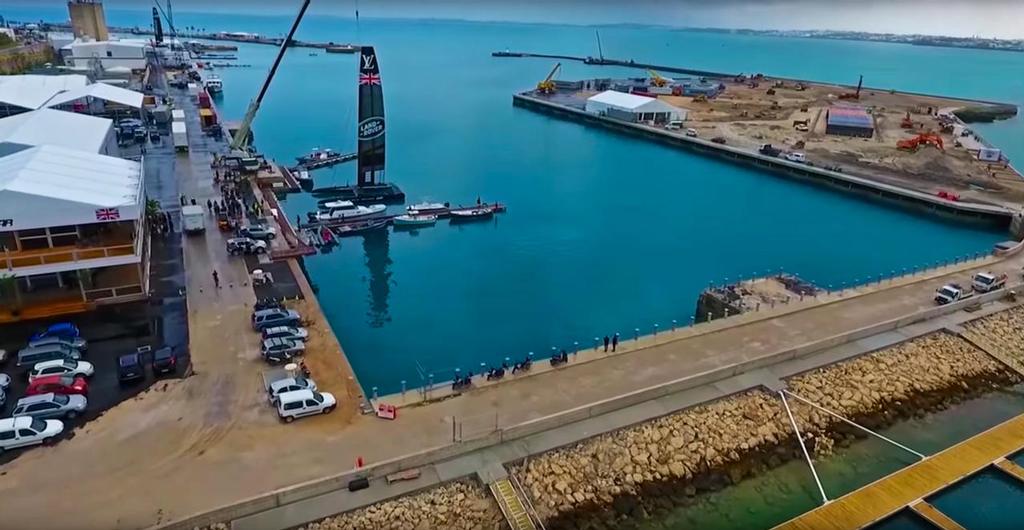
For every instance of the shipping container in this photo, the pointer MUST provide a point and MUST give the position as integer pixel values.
(178, 115)
(180, 134)
(207, 117)
(204, 99)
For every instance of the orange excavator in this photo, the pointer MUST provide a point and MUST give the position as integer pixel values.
(907, 123)
(911, 144)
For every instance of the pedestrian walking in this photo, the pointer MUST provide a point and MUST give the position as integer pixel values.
(216, 280)
(209, 205)
(615, 341)
(606, 343)
(182, 199)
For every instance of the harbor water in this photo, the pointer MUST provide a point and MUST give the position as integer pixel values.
(604, 233)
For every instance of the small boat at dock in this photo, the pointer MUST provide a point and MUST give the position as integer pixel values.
(415, 220)
(471, 214)
(346, 211)
(352, 229)
(303, 177)
(427, 208)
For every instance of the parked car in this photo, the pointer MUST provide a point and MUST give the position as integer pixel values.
(164, 361)
(25, 431)
(64, 330)
(286, 332)
(58, 384)
(50, 406)
(60, 367)
(5, 381)
(129, 367)
(692, 133)
(280, 353)
(77, 343)
(795, 157)
(288, 384)
(301, 403)
(719, 140)
(261, 232)
(268, 318)
(48, 352)
(245, 245)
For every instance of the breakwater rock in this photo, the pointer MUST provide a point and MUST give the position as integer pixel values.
(985, 113)
(613, 480)
(456, 506)
(1004, 329)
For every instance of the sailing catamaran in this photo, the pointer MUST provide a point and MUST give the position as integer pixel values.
(370, 185)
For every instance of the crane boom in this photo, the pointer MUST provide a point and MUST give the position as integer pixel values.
(242, 134)
(547, 86)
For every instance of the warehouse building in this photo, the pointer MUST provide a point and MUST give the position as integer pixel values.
(90, 134)
(849, 121)
(111, 54)
(72, 231)
(24, 93)
(633, 108)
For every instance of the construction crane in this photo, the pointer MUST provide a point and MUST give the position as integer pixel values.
(657, 80)
(853, 95)
(241, 136)
(547, 86)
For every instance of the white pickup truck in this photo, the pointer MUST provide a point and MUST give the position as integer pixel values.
(952, 292)
(985, 282)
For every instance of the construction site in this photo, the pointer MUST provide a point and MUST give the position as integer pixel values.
(918, 142)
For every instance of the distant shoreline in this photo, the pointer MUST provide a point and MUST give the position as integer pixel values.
(939, 41)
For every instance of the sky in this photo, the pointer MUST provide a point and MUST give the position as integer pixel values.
(985, 18)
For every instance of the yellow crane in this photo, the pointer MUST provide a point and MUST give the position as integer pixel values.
(657, 80)
(547, 86)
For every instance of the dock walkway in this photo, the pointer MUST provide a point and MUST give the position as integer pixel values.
(906, 487)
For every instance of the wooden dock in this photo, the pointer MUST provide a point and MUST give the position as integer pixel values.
(934, 516)
(908, 486)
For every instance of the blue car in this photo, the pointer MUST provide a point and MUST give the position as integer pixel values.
(62, 330)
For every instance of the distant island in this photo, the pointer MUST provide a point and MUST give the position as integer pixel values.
(1009, 45)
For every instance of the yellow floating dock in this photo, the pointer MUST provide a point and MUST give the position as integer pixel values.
(909, 485)
(934, 516)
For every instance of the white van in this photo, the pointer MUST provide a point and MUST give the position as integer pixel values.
(795, 157)
(674, 125)
(299, 403)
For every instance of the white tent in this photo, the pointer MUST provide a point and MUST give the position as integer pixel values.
(113, 94)
(64, 129)
(33, 91)
(49, 186)
(640, 108)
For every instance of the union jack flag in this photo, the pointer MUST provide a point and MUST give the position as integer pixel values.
(107, 214)
(369, 79)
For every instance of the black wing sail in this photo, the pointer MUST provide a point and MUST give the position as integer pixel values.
(371, 119)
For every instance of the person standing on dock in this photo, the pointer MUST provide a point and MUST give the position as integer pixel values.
(606, 343)
(216, 280)
(615, 341)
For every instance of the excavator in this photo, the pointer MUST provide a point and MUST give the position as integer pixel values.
(547, 86)
(907, 123)
(657, 80)
(853, 95)
(911, 144)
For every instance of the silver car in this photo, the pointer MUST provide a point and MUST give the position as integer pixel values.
(287, 346)
(286, 332)
(50, 406)
(77, 343)
(288, 384)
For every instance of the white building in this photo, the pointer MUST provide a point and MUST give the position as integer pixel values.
(110, 53)
(633, 108)
(90, 134)
(98, 99)
(72, 231)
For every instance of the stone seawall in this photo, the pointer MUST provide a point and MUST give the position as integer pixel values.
(616, 479)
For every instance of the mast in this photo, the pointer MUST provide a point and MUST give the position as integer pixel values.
(158, 30)
(370, 127)
(600, 53)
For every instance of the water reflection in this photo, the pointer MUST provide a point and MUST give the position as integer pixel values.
(376, 246)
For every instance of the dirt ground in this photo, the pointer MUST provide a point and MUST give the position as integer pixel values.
(748, 117)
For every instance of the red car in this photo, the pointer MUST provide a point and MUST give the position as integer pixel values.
(58, 384)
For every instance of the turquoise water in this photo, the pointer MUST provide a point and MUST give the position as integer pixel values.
(604, 233)
(990, 500)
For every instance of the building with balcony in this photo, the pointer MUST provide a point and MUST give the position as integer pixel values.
(72, 232)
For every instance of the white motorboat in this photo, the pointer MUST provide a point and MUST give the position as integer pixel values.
(303, 176)
(213, 84)
(415, 220)
(347, 210)
(424, 208)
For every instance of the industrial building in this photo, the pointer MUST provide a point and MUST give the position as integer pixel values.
(849, 121)
(88, 19)
(633, 108)
(24, 93)
(110, 54)
(89, 134)
(72, 231)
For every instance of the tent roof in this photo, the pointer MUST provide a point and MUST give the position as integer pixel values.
(71, 176)
(623, 100)
(103, 91)
(33, 91)
(850, 117)
(55, 127)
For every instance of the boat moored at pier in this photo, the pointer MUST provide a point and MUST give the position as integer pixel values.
(346, 211)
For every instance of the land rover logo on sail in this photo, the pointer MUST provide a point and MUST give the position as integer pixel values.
(371, 128)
